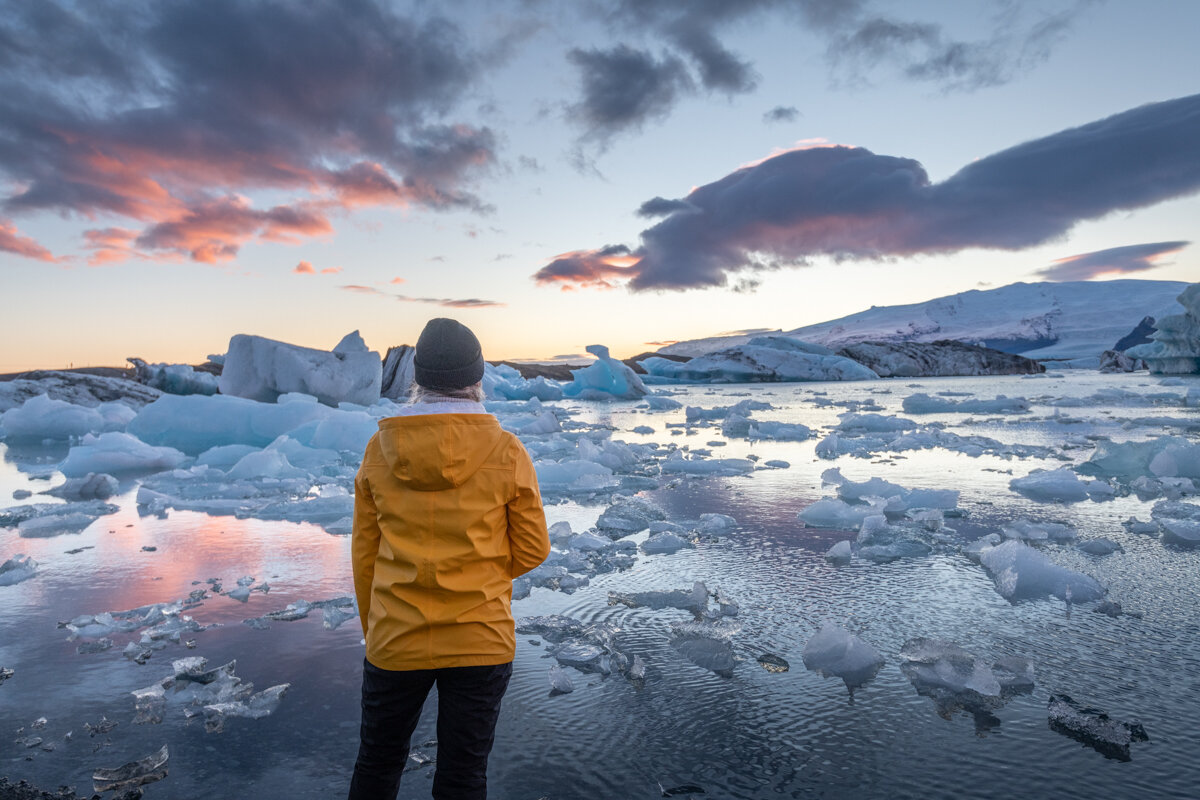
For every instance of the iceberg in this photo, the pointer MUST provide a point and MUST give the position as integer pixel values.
(937, 359)
(195, 423)
(262, 369)
(1176, 345)
(922, 403)
(41, 417)
(764, 359)
(174, 378)
(605, 379)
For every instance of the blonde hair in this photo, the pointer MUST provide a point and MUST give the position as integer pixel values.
(423, 394)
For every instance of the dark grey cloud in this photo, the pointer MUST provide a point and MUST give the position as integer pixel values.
(623, 88)
(850, 203)
(782, 114)
(160, 112)
(661, 207)
(1114, 260)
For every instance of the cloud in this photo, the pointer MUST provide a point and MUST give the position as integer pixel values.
(165, 113)
(782, 114)
(304, 268)
(359, 289)
(470, 302)
(331, 270)
(397, 280)
(850, 203)
(15, 243)
(623, 88)
(1114, 260)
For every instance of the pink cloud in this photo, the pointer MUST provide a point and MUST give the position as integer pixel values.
(13, 242)
(331, 270)
(304, 268)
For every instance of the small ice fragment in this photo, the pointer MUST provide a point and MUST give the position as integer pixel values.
(1100, 547)
(560, 681)
(18, 568)
(840, 553)
(135, 773)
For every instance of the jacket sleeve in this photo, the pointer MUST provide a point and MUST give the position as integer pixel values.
(529, 542)
(364, 546)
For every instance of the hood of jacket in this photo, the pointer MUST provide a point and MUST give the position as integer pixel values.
(434, 452)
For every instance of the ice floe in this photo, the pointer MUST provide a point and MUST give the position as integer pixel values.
(834, 651)
(1020, 572)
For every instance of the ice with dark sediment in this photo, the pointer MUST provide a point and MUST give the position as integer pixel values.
(766, 358)
(1020, 572)
(77, 388)
(132, 774)
(174, 378)
(552, 628)
(834, 651)
(1094, 728)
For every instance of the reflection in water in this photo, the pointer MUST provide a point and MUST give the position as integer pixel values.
(759, 732)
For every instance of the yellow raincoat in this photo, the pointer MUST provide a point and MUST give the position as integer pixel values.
(446, 513)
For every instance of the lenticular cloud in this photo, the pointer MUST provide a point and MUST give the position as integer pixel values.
(848, 202)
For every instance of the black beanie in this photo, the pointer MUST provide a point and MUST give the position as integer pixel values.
(448, 356)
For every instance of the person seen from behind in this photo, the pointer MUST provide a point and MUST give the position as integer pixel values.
(446, 513)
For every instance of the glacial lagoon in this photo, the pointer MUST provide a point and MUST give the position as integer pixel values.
(741, 730)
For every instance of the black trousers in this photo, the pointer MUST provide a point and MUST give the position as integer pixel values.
(468, 706)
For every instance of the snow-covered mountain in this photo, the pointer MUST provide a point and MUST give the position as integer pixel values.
(1078, 319)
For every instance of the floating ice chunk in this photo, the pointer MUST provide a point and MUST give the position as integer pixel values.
(676, 463)
(1180, 532)
(950, 675)
(224, 456)
(1126, 460)
(694, 599)
(1094, 728)
(1100, 547)
(560, 534)
(196, 423)
(92, 486)
(832, 513)
(573, 476)
(264, 464)
(922, 403)
(256, 706)
(583, 656)
(552, 628)
(658, 402)
(716, 524)
(589, 542)
(56, 525)
(626, 516)
(135, 773)
(263, 369)
(18, 568)
(835, 651)
(1023, 573)
(840, 553)
(118, 454)
(1038, 532)
(605, 379)
(706, 645)
(1135, 525)
(41, 418)
(1177, 460)
(1060, 486)
(664, 542)
(560, 681)
(15, 515)
(873, 423)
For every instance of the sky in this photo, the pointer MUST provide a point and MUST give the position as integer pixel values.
(560, 174)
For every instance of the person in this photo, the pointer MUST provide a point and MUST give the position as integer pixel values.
(446, 513)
